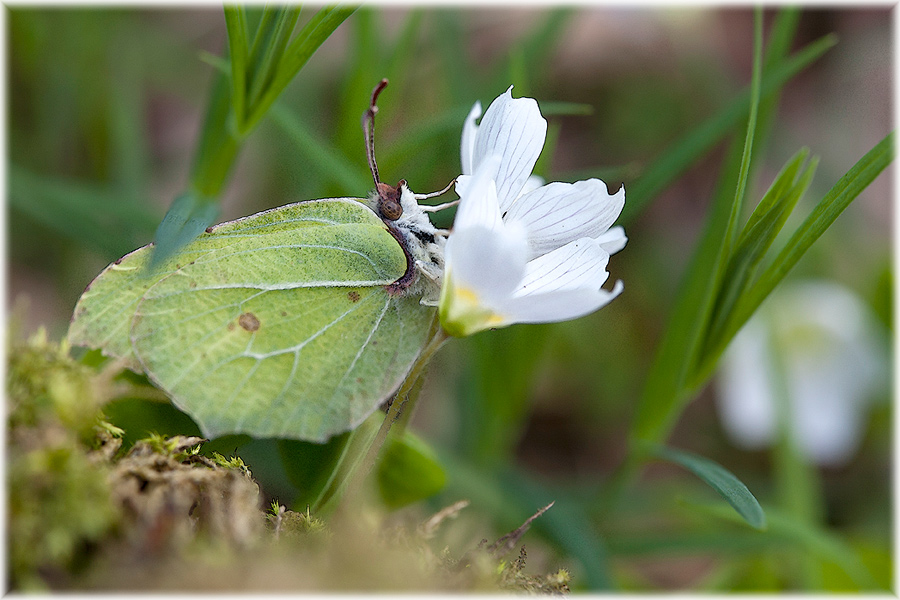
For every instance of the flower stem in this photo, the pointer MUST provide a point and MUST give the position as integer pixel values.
(399, 412)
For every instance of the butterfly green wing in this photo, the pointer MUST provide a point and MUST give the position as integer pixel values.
(102, 316)
(275, 325)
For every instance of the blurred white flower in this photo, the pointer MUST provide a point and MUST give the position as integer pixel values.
(816, 346)
(520, 251)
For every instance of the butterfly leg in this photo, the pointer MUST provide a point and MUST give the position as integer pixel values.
(434, 194)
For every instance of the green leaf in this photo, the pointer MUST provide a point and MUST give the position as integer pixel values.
(823, 215)
(717, 477)
(685, 152)
(275, 325)
(408, 471)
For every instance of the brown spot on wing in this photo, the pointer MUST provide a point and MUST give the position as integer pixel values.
(248, 321)
(353, 296)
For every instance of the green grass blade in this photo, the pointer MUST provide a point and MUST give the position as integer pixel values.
(775, 194)
(784, 27)
(747, 154)
(756, 237)
(92, 216)
(685, 152)
(756, 240)
(298, 52)
(664, 393)
(719, 478)
(823, 215)
(282, 26)
(265, 30)
(218, 147)
(329, 164)
(236, 26)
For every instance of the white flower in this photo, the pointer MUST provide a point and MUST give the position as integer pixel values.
(815, 347)
(522, 252)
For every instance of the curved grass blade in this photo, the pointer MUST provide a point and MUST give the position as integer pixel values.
(717, 477)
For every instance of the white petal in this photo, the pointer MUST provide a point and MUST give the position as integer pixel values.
(467, 146)
(559, 305)
(532, 183)
(462, 184)
(578, 265)
(489, 263)
(827, 413)
(478, 198)
(558, 213)
(613, 240)
(746, 398)
(514, 129)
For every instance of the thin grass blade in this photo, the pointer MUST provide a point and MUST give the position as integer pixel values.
(282, 26)
(236, 26)
(685, 152)
(831, 206)
(331, 165)
(298, 52)
(665, 393)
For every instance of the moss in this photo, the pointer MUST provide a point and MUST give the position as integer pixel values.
(59, 496)
(84, 515)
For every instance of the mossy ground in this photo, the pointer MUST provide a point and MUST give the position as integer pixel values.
(87, 514)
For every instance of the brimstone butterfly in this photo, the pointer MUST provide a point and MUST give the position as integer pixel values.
(296, 322)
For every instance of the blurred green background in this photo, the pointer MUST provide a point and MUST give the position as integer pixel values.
(104, 112)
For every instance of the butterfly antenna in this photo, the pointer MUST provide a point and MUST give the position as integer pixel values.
(369, 129)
